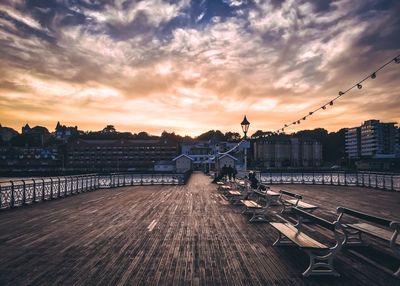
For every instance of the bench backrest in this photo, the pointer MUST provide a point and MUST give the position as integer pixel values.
(293, 195)
(364, 216)
(315, 219)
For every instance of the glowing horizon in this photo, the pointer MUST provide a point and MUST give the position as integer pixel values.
(192, 66)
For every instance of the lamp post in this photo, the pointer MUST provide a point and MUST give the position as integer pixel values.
(245, 127)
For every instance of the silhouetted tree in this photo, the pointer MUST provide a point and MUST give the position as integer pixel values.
(232, 136)
(109, 129)
(211, 135)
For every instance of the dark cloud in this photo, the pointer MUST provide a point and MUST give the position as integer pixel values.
(184, 58)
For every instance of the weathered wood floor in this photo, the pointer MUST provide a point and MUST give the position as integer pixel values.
(170, 235)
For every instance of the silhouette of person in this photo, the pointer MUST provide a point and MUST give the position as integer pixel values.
(230, 172)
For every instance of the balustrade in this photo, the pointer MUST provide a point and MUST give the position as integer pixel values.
(389, 182)
(21, 192)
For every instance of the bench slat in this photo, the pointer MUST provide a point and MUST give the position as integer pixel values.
(299, 238)
(251, 204)
(373, 230)
(235, 193)
(301, 205)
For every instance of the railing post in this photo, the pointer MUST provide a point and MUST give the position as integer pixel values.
(51, 188)
(391, 181)
(43, 190)
(34, 190)
(59, 187)
(1, 197)
(384, 182)
(141, 179)
(12, 194)
(23, 193)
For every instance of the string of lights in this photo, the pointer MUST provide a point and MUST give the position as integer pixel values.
(358, 85)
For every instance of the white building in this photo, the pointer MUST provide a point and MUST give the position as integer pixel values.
(183, 163)
(373, 139)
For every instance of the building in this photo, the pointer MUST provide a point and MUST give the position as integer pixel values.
(286, 151)
(164, 166)
(183, 163)
(6, 133)
(373, 139)
(37, 135)
(204, 153)
(353, 142)
(225, 160)
(118, 155)
(27, 158)
(63, 133)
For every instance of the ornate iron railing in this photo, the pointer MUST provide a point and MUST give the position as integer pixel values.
(16, 193)
(364, 179)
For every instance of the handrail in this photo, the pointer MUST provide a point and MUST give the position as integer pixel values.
(385, 181)
(14, 193)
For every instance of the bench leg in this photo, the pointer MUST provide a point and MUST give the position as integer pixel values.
(285, 208)
(396, 250)
(258, 215)
(352, 237)
(282, 240)
(320, 264)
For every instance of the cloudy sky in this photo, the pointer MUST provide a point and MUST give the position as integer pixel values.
(190, 66)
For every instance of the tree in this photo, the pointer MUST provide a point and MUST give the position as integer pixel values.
(232, 136)
(211, 135)
(109, 129)
(260, 133)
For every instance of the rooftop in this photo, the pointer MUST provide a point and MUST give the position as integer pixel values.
(172, 235)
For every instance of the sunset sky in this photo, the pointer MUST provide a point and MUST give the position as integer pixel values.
(191, 66)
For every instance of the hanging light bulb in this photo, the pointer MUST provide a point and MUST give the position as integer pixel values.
(359, 86)
(298, 121)
(341, 93)
(294, 122)
(304, 118)
(397, 60)
(331, 103)
(324, 107)
(285, 125)
(310, 113)
(373, 76)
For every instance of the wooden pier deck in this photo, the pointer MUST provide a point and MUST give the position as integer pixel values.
(171, 235)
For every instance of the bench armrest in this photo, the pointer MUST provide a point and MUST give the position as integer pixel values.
(363, 216)
(395, 225)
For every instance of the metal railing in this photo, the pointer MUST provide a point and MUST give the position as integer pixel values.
(385, 181)
(15, 193)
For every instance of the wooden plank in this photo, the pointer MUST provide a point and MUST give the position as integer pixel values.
(301, 204)
(376, 231)
(171, 235)
(251, 204)
(234, 193)
(299, 238)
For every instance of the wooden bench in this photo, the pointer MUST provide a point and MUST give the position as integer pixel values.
(294, 201)
(321, 254)
(269, 197)
(235, 196)
(381, 228)
(255, 209)
(224, 188)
